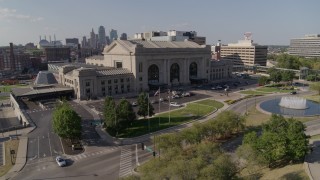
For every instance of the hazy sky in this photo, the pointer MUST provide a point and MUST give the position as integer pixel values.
(270, 21)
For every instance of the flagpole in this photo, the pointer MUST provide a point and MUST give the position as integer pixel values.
(159, 104)
(148, 113)
(169, 105)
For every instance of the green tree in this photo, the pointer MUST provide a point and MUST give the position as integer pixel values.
(125, 113)
(263, 80)
(288, 61)
(287, 76)
(143, 102)
(66, 122)
(275, 76)
(316, 87)
(281, 140)
(109, 113)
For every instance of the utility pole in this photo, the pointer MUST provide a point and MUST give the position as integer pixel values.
(169, 105)
(159, 104)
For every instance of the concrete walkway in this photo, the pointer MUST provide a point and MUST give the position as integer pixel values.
(22, 150)
(21, 158)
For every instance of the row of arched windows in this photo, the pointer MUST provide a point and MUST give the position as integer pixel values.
(153, 72)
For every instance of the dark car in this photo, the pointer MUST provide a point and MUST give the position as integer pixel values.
(293, 92)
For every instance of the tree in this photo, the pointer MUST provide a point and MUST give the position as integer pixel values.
(66, 122)
(288, 61)
(143, 102)
(263, 80)
(287, 76)
(316, 87)
(109, 113)
(125, 112)
(275, 76)
(281, 140)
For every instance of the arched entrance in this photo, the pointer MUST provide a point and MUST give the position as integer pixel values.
(153, 74)
(193, 70)
(175, 73)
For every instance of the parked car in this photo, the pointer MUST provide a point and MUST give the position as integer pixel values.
(153, 101)
(161, 99)
(175, 104)
(186, 94)
(175, 96)
(134, 104)
(60, 161)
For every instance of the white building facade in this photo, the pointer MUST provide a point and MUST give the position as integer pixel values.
(308, 46)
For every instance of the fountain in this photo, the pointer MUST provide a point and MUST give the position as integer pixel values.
(293, 102)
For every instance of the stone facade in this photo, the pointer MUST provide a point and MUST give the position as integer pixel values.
(157, 62)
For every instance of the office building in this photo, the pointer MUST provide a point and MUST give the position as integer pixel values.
(245, 52)
(308, 46)
(123, 36)
(113, 35)
(72, 42)
(93, 40)
(57, 54)
(102, 37)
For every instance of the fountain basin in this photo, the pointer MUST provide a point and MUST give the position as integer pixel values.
(293, 102)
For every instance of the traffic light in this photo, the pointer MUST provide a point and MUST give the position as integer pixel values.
(142, 146)
(154, 154)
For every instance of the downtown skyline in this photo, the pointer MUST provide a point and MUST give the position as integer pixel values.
(271, 22)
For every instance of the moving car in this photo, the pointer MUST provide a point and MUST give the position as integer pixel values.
(60, 161)
(293, 92)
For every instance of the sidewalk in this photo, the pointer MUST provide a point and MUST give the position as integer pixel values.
(22, 150)
(21, 158)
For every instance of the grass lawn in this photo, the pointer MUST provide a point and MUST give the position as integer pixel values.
(256, 118)
(272, 89)
(251, 92)
(4, 97)
(7, 88)
(314, 97)
(315, 137)
(179, 116)
(10, 144)
(292, 172)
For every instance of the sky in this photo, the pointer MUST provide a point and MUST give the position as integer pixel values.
(272, 22)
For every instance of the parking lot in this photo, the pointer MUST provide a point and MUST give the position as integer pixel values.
(164, 105)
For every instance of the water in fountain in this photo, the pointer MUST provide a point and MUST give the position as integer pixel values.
(293, 102)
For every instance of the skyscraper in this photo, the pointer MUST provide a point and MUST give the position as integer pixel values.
(84, 41)
(113, 35)
(102, 36)
(123, 36)
(93, 40)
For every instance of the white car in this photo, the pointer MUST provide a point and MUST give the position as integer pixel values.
(60, 161)
(134, 104)
(175, 104)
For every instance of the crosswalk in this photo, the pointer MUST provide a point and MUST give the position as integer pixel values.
(125, 161)
(82, 156)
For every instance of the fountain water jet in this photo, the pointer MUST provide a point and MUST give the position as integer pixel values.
(293, 102)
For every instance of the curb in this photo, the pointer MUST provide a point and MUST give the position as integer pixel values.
(307, 170)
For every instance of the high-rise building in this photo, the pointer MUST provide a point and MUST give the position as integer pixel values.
(84, 42)
(245, 52)
(57, 54)
(308, 46)
(73, 41)
(113, 35)
(93, 41)
(123, 36)
(102, 36)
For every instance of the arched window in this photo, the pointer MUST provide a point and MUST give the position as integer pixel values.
(153, 74)
(174, 72)
(193, 70)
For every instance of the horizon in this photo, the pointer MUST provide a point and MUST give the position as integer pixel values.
(22, 22)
